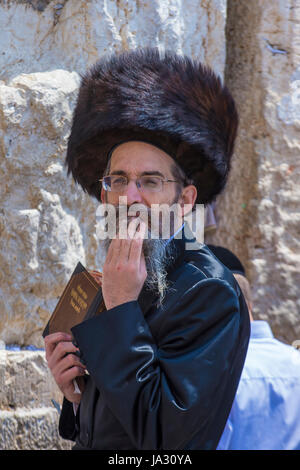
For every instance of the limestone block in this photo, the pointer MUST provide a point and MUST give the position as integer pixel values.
(28, 417)
(35, 429)
(25, 380)
(72, 34)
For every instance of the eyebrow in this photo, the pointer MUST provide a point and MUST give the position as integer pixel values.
(144, 173)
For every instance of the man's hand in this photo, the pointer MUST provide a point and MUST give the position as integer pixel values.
(124, 270)
(64, 367)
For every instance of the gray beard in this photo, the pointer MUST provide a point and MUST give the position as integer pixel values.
(159, 255)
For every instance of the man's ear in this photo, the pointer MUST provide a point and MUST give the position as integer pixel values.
(187, 199)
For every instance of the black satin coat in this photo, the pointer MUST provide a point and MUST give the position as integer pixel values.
(163, 377)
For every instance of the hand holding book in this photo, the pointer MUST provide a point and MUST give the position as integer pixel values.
(97, 276)
(81, 299)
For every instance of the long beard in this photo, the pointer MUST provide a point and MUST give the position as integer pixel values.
(158, 256)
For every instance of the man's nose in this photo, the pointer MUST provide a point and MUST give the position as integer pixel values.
(133, 194)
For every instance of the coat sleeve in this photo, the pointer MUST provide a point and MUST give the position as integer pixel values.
(67, 422)
(164, 390)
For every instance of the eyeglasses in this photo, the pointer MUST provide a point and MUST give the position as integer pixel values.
(146, 183)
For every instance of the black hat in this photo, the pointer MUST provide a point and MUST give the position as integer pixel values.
(168, 100)
(229, 259)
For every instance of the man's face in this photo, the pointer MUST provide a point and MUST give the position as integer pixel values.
(134, 159)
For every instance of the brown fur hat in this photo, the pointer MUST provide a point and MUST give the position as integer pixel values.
(165, 99)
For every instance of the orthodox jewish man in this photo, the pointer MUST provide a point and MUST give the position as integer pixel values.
(159, 367)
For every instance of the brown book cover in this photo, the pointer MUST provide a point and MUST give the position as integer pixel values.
(81, 299)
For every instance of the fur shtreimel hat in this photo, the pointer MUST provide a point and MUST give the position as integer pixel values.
(168, 100)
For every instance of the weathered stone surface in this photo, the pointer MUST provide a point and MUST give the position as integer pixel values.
(258, 213)
(26, 381)
(72, 34)
(35, 429)
(28, 418)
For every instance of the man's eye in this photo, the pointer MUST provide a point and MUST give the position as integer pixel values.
(118, 181)
(151, 181)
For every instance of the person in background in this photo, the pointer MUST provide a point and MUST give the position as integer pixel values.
(266, 411)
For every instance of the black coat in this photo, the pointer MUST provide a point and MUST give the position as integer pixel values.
(163, 377)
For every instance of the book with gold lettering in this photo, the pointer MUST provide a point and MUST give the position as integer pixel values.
(81, 299)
